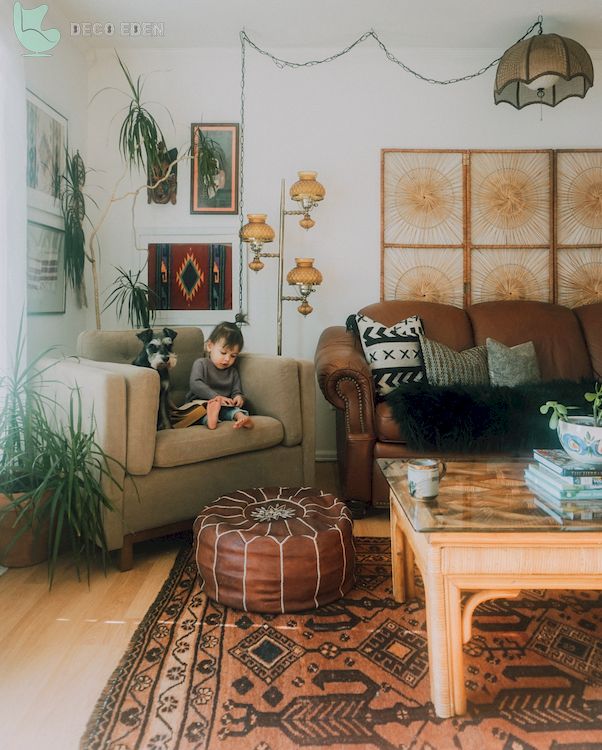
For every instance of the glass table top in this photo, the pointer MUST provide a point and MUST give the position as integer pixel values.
(477, 496)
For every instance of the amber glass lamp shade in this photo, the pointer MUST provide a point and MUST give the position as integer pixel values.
(304, 274)
(544, 69)
(256, 231)
(307, 188)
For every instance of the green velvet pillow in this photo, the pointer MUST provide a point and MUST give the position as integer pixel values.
(512, 365)
(444, 366)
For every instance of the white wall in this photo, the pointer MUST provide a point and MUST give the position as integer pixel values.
(12, 191)
(61, 81)
(331, 118)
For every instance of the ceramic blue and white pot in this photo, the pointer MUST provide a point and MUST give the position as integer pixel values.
(580, 439)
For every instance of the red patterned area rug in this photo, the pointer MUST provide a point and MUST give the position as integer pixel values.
(353, 674)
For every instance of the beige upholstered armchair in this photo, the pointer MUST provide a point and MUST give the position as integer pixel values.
(172, 474)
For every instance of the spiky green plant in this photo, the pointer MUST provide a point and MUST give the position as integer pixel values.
(140, 133)
(73, 204)
(23, 424)
(133, 296)
(74, 493)
(52, 470)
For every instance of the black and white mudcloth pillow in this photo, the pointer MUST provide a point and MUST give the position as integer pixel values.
(393, 354)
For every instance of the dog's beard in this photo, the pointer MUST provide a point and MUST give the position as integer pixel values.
(158, 363)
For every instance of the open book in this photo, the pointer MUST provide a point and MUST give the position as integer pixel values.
(189, 413)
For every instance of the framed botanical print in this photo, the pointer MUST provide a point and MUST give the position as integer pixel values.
(46, 148)
(214, 168)
(45, 269)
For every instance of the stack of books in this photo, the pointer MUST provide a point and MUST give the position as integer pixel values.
(564, 488)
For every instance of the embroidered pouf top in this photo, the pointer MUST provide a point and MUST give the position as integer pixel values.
(276, 549)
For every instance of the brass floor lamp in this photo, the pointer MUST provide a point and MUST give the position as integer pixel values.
(308, 192)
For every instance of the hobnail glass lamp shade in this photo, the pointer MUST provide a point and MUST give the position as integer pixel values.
(307, 187)
(257, 230)
(546, 69)
(304, 273)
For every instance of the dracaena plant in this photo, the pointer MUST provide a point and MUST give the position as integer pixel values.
(73, 204)
(53, 473)
(140, 133)
(133, 296)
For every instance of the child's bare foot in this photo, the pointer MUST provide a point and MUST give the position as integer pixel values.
(213, 408)
(242, 420)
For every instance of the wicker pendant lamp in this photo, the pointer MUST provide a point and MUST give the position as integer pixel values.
(543, 69)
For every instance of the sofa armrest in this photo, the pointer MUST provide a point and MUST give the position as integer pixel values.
(273, 388)
(307, 382)
(345, 380)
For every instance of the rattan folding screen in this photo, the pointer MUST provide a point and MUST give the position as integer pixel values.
(467, 226)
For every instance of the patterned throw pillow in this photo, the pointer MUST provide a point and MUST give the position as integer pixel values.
(512, 365)
(393, 353)
(444, 366)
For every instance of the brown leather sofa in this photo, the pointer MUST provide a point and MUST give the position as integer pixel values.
(568, 343)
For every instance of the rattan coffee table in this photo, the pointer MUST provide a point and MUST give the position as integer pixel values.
(482, 538)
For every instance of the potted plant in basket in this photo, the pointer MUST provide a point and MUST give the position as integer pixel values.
(580, 436)
(52, 474)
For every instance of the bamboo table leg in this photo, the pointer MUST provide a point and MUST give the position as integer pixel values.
(408, 563)
(444, 633)
(399, 548)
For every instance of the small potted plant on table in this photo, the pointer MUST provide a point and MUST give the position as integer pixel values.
(580, 436)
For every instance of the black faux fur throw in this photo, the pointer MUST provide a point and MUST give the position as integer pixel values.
(481, 418)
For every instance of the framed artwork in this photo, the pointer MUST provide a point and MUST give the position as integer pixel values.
(46, 144)
(510, 198)
(422, 198)
(191, 276)
(510, 273)
(45, 269)
(467, 226)
(428, 274)
(197, 274)
(579, 213)
(217, 193)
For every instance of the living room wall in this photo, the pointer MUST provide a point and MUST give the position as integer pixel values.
(62, 82)
(333, 118)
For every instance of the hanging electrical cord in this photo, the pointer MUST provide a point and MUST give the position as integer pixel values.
(281, 63)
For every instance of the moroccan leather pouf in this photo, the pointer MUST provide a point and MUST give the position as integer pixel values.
(276, 549)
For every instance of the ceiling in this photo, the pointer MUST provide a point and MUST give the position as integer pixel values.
(332, 24)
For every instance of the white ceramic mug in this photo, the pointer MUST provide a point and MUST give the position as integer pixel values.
(423, 477)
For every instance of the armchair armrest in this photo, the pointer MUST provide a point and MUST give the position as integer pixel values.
(103, 404)
(273, 387)
(142, 386)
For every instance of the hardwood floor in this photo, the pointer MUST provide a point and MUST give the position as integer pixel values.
(59, 648)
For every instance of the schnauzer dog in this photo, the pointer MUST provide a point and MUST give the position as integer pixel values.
(157, 353)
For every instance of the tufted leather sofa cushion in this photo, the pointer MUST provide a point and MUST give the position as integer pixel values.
(555, 331)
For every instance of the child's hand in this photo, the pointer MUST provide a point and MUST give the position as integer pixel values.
(238, 400)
